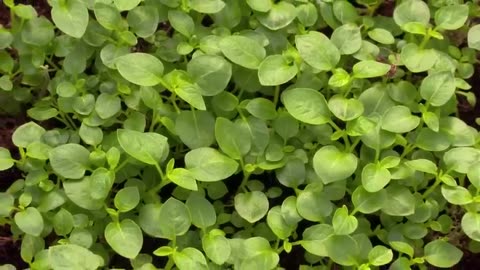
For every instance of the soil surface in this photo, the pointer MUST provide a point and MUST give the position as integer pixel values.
(10, 249)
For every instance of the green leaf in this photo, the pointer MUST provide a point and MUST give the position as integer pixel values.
(382, 36)
(312, 204)
(143, 21)
(209, 165)
(195, 128)
(370, 69)
(70, 256)
(400, 202)
(280, 15)
(31, 245)
(473, 175)
(6, 160)
(127, 199)
(366, 202)
(317, 50)
(278, 224)
(438, 88)
(347, 38)
(80, 191)
(315, 237)
(416, 59)
(201, 210)
(216, 247)
(461, 159)
(243, 51)
(123, 5)
(342, 222)
(262, 108)
(422, 165)
(342, 249)
(70, 16)
(6, 204)
(252, 206)
(474, 37)
(232, 138)
(440, 253)
(211, 72)
(307, 14)
(344, 11)
(124, 237)
(207, 6)
(140, 68)
(69, 160)
(375, 177)
(181, 22)
(190, 258)
(90, 135)
(183, 178)
(260, 5)
(451, 17)
(471, 225)
(411, 11)
(380, 255)
(30, 221)
(345, 109)
(430, 140)
(398, 119)
(108, 16)
(276, 70)
(333, 165)
(150, 148)
(26, 134)
(63, 222)
(107, 105)
(306, 105)
(174, 219)
(457, 195)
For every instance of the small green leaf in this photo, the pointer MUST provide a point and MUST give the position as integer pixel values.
(124, 237)
(440, 253)
(411, 11)
(30, 221)
(211, 72)
(343, 249)
(70, 256)
(438, 88)
(69, 160)
(174, 219)
(140, 68)
(190, 258)
(375, 177)
(457, 195)
(123, 5)
(127, 199)
(451, 17)
(27, 134)
(71, 17)
(207, 6)
(474, 37)
(232, 138)
(183, 178)
(400, 201)
(181, 22)
(209, 165)
(280, 15)
(366, 202)
(195, 128)
(312, 204)
(332, 165)
(343, 223)
(471, 225)
(306, 105)
(398, 119)
(6, 160)
(317, 50)
(262, 108)
(276, 70)
(382, 36)
(345, 109)
(148, 147)
(370, 69)
(243, 51)
(201, 210)
(347, 38)
(260, 5)
(252, 206)
(380, 255)
(315, 237)
(416, 59)
(216, 247)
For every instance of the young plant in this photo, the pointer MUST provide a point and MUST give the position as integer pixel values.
(238, 131)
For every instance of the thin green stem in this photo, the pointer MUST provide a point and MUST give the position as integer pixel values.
(425, 40)
(276, 95)
(52, 64)
(153, 121)
(432, 187)
(121, 165)
(170, 263)
(344, 135)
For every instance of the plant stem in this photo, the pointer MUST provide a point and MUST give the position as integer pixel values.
(170, 263)
(276, 95)
(432, 187)
(425, 40)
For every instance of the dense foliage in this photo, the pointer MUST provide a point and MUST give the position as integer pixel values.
(231, 133)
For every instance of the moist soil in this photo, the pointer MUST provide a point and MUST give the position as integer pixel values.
(10, 248)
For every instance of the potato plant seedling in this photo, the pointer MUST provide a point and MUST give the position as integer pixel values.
(232, 133)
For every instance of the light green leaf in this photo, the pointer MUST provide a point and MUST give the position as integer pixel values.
(382, 36)
(195, 128)
(107, 105)
(124, 237)
(183, 178)
(260, 5)
(279, 224)
(280, 15)
(366, 202)
(317, 50)
(190, 258)
(174, 219)
(26, 134)
(398, 119)
(108, 16)
(70, 256)
(438, 88)
(69, 160)
(380, 255)
(400, 201)
(276, 70)
(6, 160)
(342, 249)
(232, 138)
(216, 247)
(123, 5)
(451, 17)
(370, 69)
(347, 38)
(457, 195)
(416, 59)
(140, 68)
(262, 108)
(411, 11)
(126, 199)
(343, 223)
(151, 148)
(201, 210)
(471, 225)
(312, 204)
(474, 37)
(306, 105)
(30, 221)
(207, 6)
(211, 72)
(181, 22)
(252, 206)
(345, 109)
(243, 51)
(315, 237)
(375, 177)
(71, 17)
(332, 165)
(209, 165)
(440, 253)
